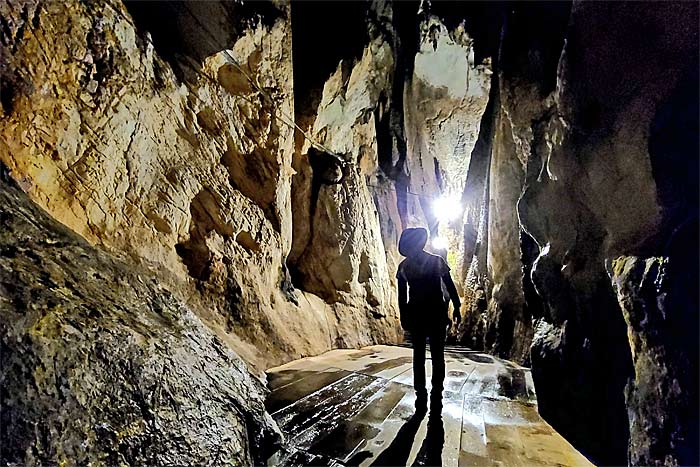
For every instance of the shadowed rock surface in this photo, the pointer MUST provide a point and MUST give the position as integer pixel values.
(653, 292)
(101, 364)
(589, 160)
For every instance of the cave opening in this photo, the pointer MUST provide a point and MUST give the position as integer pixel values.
(234, 232)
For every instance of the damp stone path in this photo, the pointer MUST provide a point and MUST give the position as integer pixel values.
(356, 407)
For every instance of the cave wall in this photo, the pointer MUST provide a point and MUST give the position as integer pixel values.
(562, 128)
(445, 99)
(103, 365)
(338, 246)
(388, 135)
(163, 151)
(602, 165)
(580, 130)
(655, 295)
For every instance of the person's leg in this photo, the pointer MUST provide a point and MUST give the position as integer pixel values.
(419, 365)
(437, 355)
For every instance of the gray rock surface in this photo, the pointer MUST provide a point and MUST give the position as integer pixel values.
(102, 365)
(663, 414)
(595, 165)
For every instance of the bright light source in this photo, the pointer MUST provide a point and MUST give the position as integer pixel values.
(439, 243)
(446, 209)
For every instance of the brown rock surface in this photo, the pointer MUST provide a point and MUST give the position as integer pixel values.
(176, 159)
(567, 131)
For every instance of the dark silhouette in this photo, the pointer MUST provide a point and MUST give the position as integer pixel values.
(425, 288)
(430, 452)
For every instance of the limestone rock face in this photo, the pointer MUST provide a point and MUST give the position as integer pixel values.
(178, 154)
(445, 102)
(565, 134)
(653, 294)
(498, 317)
(344, 226)
(102, 365)
(590, 163)
(338, 248)
(596, 197)
(580, 158)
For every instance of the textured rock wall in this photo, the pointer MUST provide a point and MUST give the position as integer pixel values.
(505, 308)
(562, 127)
(655, 295)
(589, 159)
(368, 172)
(498, 317)
(599, 199)
(342, 206)
(102, 365)
(338, 247)
(162, 149)
(445, 99)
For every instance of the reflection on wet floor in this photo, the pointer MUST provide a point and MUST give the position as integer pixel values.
(356, 407)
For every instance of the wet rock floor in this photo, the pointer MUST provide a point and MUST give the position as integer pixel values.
(356, 407)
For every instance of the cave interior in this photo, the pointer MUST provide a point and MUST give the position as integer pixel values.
(201, 207)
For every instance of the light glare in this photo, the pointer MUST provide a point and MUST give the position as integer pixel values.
(439, 243)
(446, 209)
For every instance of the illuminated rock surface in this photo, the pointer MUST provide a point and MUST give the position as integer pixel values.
(173, 159)
(356, 407)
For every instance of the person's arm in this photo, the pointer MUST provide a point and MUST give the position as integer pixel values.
(454, 296)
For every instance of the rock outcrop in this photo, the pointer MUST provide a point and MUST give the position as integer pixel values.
(654, 295)
(102, 365)
(177, 153)
(446, 98)
(579, 151)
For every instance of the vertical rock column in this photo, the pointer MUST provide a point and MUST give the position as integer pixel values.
(591, 196)
(654, 294)
(507, 332)
(444, 104)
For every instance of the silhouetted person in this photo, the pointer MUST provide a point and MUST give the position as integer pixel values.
(425, 288)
